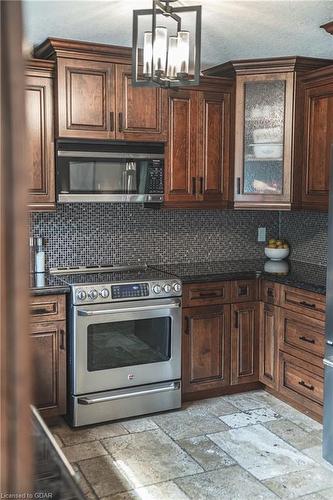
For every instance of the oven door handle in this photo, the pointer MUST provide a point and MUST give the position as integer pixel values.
(84, 312)
(92, 400)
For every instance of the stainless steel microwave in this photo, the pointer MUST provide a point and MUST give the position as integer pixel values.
(91, 171)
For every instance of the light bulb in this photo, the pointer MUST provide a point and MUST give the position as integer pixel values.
(183, 53)
(147, 53)
(172, 57)
(160, 50)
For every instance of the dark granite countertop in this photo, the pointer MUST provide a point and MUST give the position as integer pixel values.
(298, 274)
(45, 284)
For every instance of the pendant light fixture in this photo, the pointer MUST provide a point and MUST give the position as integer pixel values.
(166, 54)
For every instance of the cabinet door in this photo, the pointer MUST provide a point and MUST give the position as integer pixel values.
(268, 345)
(49, 364)
(263, 140)
(39, 129)
(205, 348)
(317, 144)
(141, 111)
(180, 162)
(213, 147)
(85, 99)
(244, 342)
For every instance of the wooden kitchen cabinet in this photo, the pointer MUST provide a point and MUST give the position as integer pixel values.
(49, 362)
(269, 345)
(318, 137)
(198, 152)
(85, 99)
(95, 98)
(141, 112)
(205, 348)
(244, 343)
(269, 125)
(40, 162)
(49, 347)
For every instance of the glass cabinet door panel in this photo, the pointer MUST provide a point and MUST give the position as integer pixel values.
(264, 122)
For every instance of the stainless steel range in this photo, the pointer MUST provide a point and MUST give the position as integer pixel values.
(124, 342)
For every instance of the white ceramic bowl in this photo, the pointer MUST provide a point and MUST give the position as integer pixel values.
(276, 253)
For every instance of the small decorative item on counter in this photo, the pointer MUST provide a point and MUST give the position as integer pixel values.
(277, 249)
(32, 249)
(40, 256)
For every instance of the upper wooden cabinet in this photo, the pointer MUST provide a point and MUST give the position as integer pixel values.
(85, 99)
(40, 134)
(95, 96)
(198, 153)
(141, 112)
(269, 126)
(318, 137)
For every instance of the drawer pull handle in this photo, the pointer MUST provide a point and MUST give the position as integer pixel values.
(307, 304)
(307, 386)
(208, 295)
(305, 339)
(236, 319)
(187, 326)
(62, 340)
(40, 310)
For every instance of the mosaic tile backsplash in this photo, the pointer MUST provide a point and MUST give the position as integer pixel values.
(307, 235)
(120, 233)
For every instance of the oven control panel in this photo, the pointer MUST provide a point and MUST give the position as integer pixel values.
(95, 293)
(129, 291)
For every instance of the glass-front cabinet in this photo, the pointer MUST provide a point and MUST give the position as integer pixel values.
(263, 140)
(269, 129)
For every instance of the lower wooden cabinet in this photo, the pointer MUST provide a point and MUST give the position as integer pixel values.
(205, 348)
(244, 342)
(230, 345)
(49, 362)
(49, 341)
(301, 383)
(268, 345)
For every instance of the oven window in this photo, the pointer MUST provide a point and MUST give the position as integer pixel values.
(127, 343)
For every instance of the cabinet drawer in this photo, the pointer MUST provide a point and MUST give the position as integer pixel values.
(47, 308)
(302, 336)
(302, 382)
(304, 302)
(270, 292)
(244, 291)
(200, 294)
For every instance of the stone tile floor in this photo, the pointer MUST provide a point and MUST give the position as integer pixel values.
(242, 446)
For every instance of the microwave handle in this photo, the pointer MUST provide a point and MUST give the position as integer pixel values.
(98, 312)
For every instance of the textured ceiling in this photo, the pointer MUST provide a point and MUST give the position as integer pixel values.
(231, 29)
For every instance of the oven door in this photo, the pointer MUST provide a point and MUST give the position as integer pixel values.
(125, 344)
